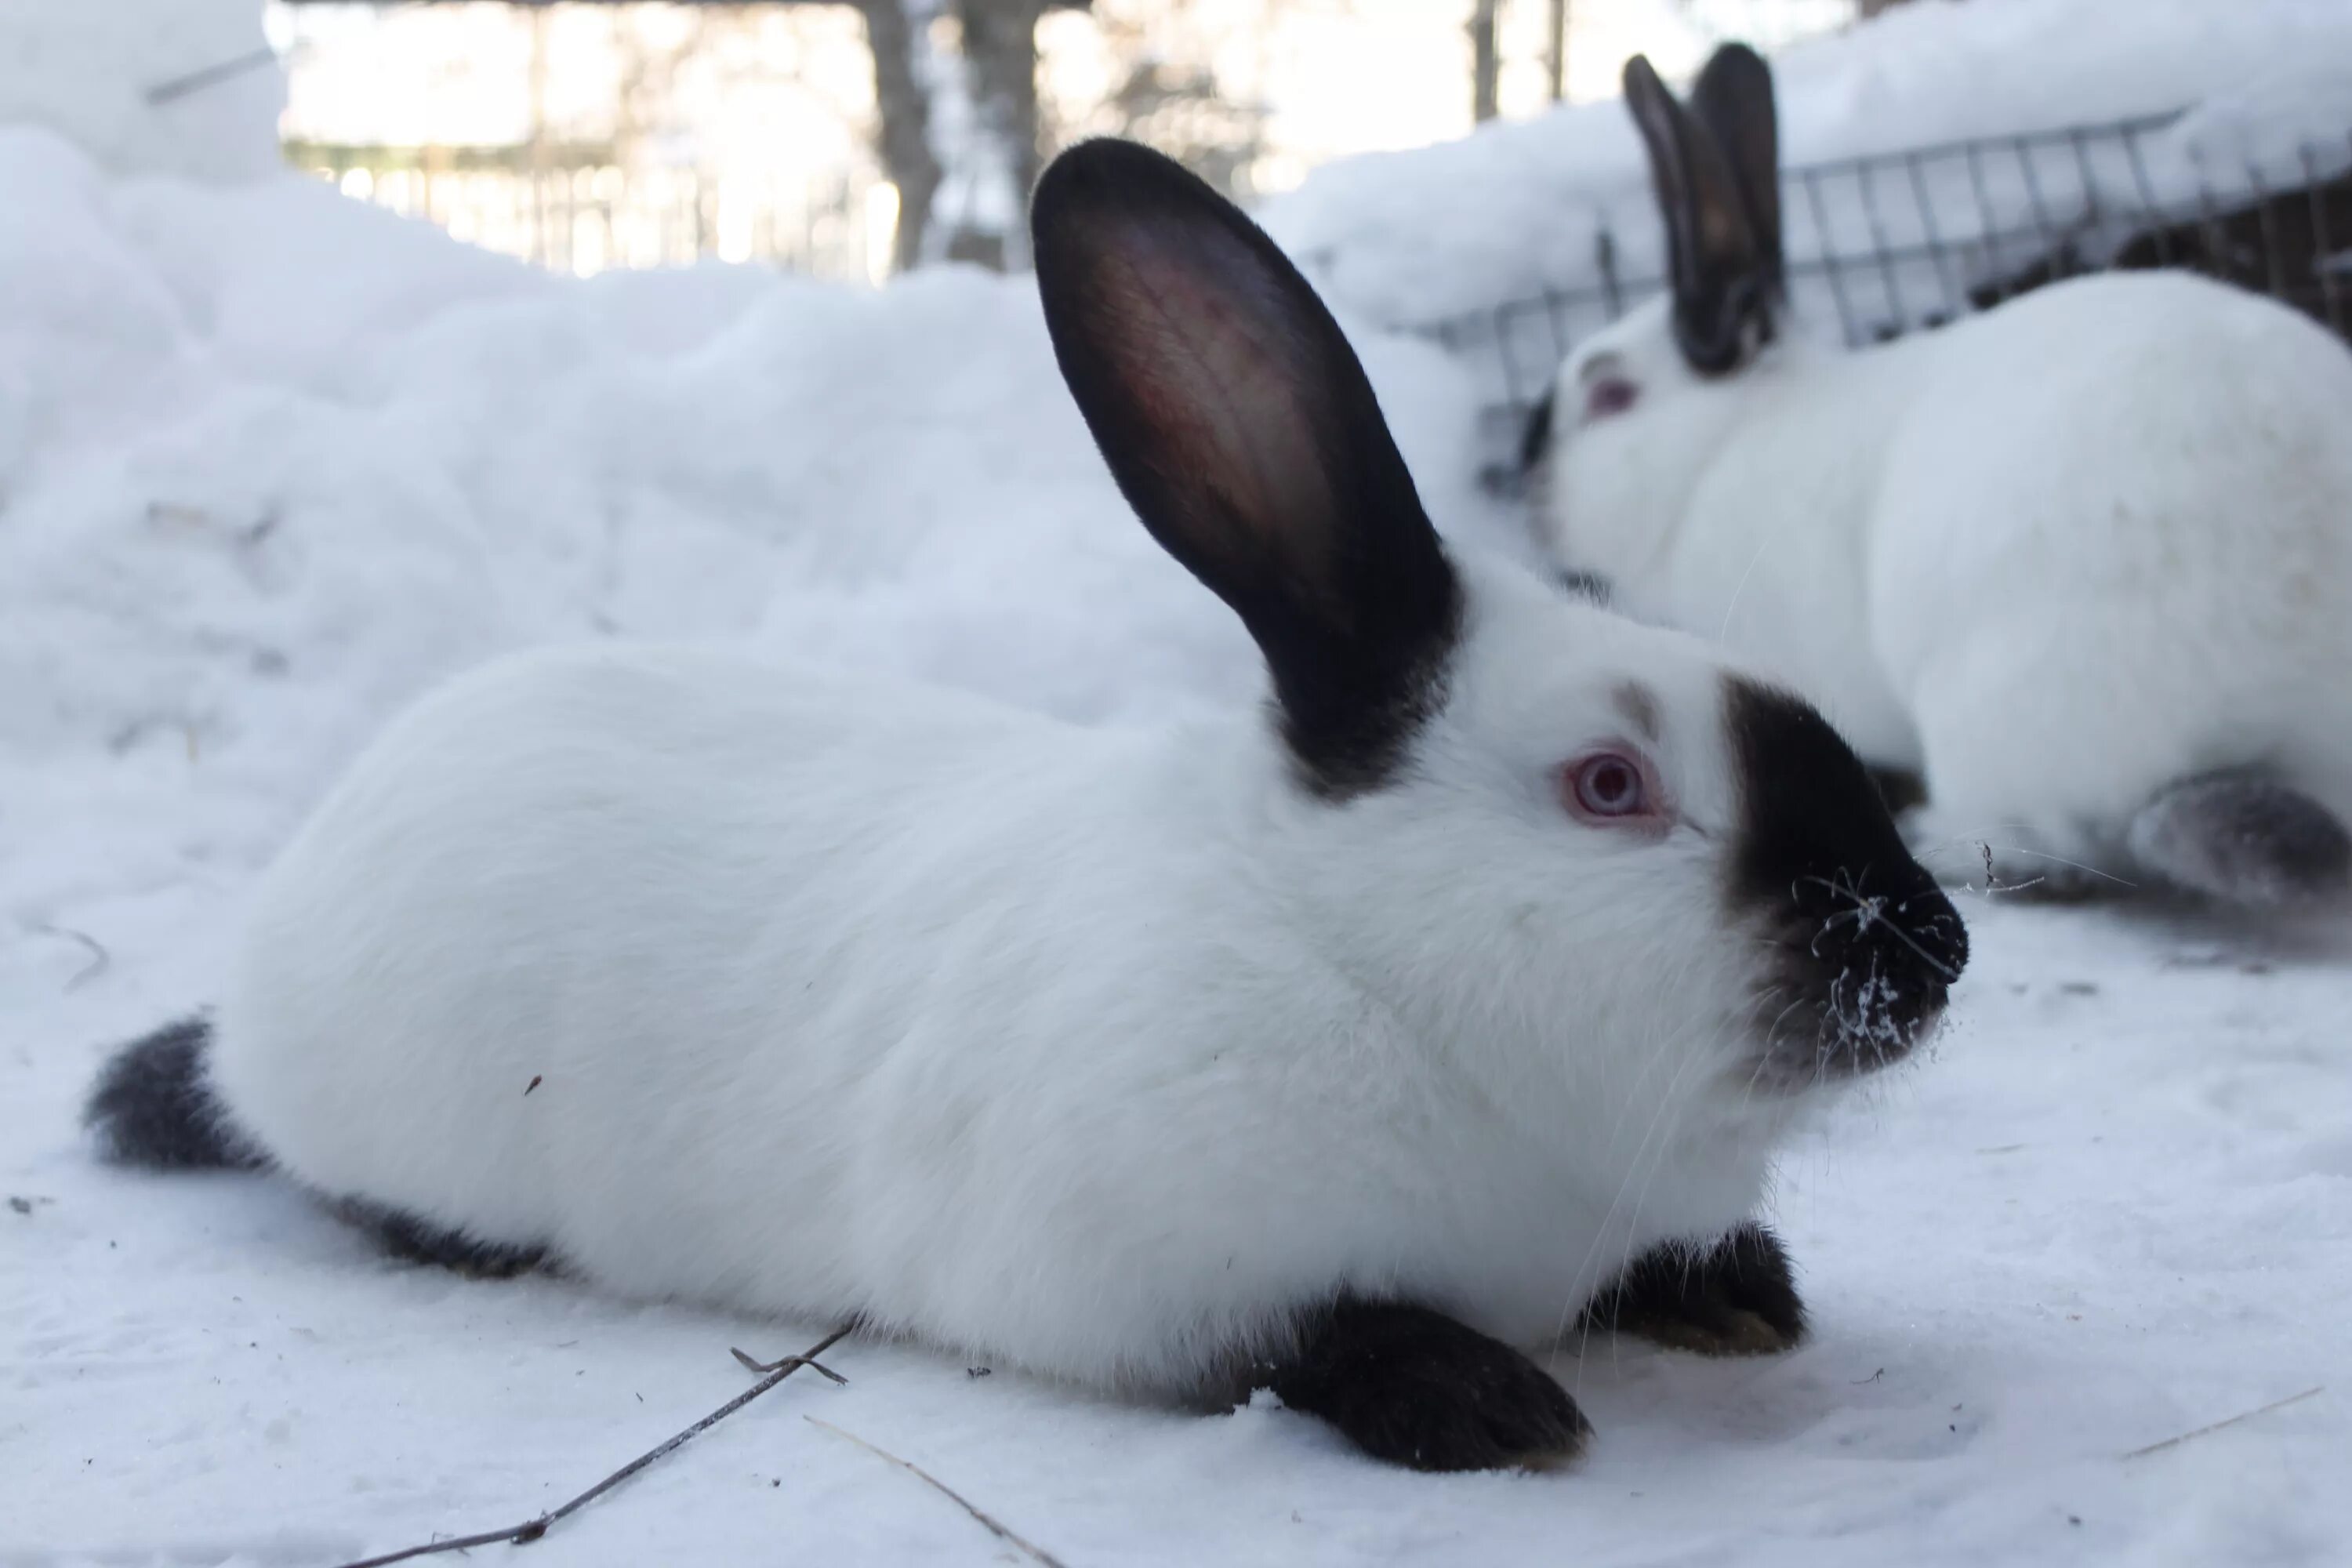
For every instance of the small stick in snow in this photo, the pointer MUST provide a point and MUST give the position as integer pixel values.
(532, 1530)
(2233, 1421)
(100, 959)
(1002, 1531)
(1993, 882)
(764, 1367)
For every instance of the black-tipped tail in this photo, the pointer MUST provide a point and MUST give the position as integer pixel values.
(2245, 839)
(153, 1106)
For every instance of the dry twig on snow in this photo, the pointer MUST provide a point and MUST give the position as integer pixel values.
(100, 959)
(2233, 1421)
(995, 1527)
(532, 1530)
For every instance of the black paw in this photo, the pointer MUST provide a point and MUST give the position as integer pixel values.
(1734, 1298)
(1416, 1388)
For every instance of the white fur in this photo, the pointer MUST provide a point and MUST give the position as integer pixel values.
(2055, 556)
(1102, 1052)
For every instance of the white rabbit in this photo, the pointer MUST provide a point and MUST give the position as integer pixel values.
(2082, 564)
(1319, 1048)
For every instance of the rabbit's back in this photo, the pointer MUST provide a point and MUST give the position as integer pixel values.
(2135, 488)
(2155, 434)
(583, 953)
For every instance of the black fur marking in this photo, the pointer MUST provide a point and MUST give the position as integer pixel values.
(152, 1106)
(1733, 99)
(1239, 424)
(1900, 789)
(1639, 704)
(2244, 838)
(412, 1240)
(1534, 442)
(1416, 1388)
(1868, 945)
(1589, 586)
(1736, 1296)
(1723, 280)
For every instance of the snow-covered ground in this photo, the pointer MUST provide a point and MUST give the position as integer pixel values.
(271, 462)
(2112, 1209)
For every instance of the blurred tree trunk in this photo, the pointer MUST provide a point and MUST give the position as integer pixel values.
(905, 111)
(1000, 59)
(1485, 60)
(1000, 44)
(1556, 52)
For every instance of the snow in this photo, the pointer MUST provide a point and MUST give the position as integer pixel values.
(1512, 213)
(272, 462)
(132, 81)
(2110, 1211)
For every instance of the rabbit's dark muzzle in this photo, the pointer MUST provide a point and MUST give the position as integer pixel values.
(1861, 970)
(1861, 946)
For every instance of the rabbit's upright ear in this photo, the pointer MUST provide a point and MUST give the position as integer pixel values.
(1241, 428)
(1733, 99)
(1718, 266)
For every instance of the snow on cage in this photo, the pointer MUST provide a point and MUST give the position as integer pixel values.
(1887, 243)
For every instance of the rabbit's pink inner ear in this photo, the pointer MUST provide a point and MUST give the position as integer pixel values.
(1733, 100)
(1197, 343)
(1233, 413)
(1226, 402)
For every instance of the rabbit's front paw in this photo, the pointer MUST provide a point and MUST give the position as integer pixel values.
(1416, 1388)
(1733, 1298)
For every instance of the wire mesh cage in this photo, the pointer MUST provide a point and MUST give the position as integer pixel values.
(1902, 241)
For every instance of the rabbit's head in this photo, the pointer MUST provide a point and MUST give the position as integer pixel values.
(1572, 850)
(1639, 405)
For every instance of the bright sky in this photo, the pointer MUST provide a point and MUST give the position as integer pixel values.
(782, 96)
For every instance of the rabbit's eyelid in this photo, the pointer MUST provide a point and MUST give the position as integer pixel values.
(1601, 366)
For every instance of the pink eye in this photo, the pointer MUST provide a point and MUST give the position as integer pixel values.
(1607, 396)
(1609, 786)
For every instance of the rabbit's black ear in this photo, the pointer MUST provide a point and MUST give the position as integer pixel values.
(1733, 99)
(1241, 428)
(1721, 281)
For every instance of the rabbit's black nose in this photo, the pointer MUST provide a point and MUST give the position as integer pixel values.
(1864, 946)
(1880, 960)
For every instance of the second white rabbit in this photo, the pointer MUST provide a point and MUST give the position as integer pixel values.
(2082, 564)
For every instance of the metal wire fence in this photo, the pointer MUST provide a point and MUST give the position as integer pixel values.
(1902, 241)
